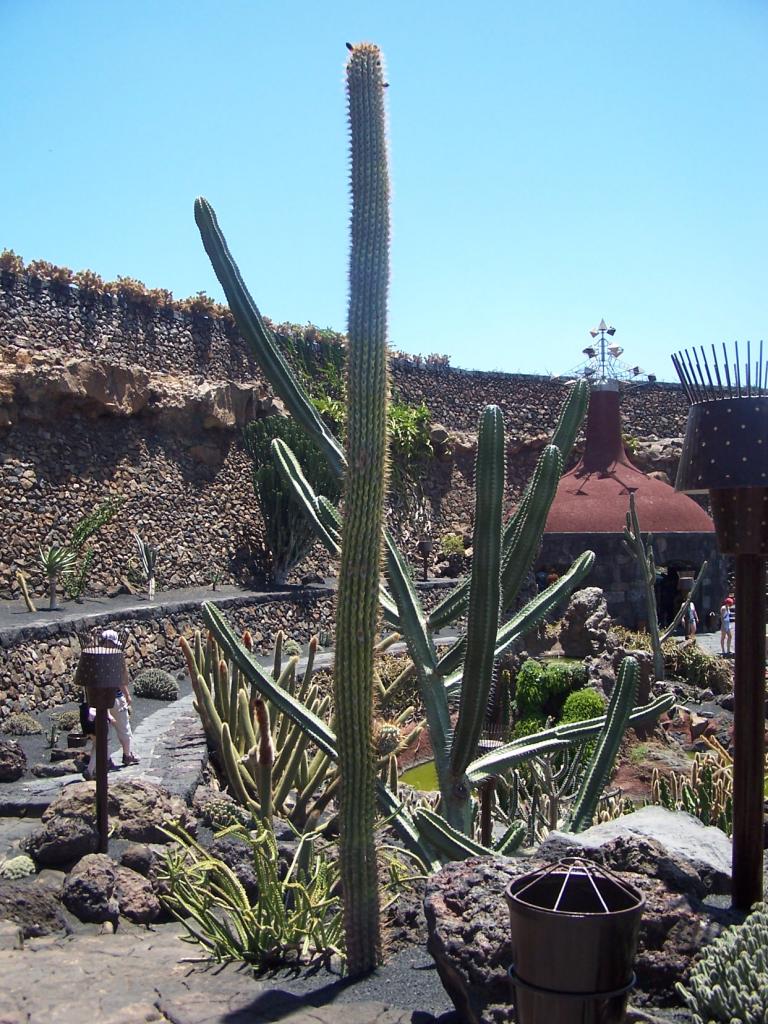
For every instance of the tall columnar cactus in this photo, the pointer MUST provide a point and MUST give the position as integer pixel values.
(483, 616)
(357, 607)
(500, 567)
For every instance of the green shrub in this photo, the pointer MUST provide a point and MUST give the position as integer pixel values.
(529, 688)
(452, 544)
(291, 649)
(729, 981)
(21, 724)
(528, 726)
(689, 662)
(581, 705)
(156, 684)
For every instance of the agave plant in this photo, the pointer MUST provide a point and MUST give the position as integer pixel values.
(57, 561)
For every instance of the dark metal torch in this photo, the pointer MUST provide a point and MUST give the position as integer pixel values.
(726, 453)
(101, 671)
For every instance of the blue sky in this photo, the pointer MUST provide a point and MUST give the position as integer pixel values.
(553, 163)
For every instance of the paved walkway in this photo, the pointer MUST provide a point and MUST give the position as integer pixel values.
(144, 976)
(170, 744)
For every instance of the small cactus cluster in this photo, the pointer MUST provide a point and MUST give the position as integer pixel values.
(707, 793)
(18, 867)
(156, 684)
(729, 981)
(266, 761)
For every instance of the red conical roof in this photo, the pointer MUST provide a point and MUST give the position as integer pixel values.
(594, 496)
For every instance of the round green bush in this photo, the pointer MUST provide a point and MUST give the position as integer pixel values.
(156, 684)
(452, 544)
(21, 724)
(529, 688)
(581, 705)
(291, 649)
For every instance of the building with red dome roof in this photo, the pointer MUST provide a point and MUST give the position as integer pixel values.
(590, 512)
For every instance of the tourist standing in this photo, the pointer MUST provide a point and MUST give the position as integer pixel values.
(120, 712)
(726, 627)
(691, 621)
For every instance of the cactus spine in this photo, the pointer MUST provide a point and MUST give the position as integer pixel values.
(364, 489)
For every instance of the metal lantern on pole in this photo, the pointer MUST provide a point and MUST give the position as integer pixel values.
(725, 453)
(101, 671)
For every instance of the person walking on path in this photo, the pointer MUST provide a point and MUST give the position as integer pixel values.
(726, 627)
(691, 621)
(120, 712)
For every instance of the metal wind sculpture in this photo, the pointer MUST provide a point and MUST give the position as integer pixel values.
(726, 454)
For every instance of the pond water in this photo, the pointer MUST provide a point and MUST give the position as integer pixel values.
(422, 776)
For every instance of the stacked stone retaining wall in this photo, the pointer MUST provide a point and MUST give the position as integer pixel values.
(68, 444)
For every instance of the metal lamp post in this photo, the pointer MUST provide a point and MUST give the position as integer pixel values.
(725, 453)
(101, 671)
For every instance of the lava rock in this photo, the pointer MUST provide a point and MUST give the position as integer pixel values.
(684, 840)
(139, 857)
(586, 623)
(135, 897)
(13, 761)
(89, 889)
(63, 840)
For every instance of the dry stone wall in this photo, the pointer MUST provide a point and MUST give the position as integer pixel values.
(37, 669)
(101, 396)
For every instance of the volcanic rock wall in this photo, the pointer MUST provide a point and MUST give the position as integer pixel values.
(104, 396)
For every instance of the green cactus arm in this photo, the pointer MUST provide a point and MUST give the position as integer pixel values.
(511, 840)
(484, 596)
(525, 541)
(290, 470)
(448, 842)
(260, 338)
(571, 417)
(413, 620)
(320, 734)
(318, 731)
(601, 764)
(557, 738)
(529, 616)
(413, 627)
(521, 623)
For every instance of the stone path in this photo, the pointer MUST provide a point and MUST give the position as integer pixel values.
(144, 976)
(170, 744)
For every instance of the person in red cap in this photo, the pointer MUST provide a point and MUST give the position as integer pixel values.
(726, 627)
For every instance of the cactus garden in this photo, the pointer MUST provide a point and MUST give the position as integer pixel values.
(367, 691)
